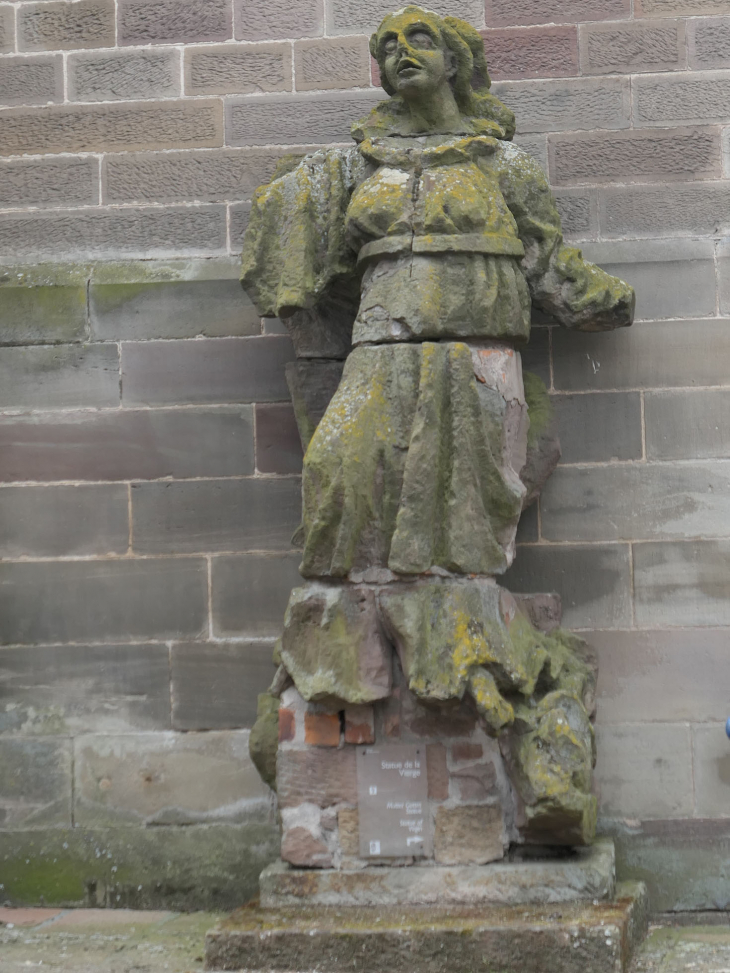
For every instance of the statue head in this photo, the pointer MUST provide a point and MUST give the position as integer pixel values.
(418, 52)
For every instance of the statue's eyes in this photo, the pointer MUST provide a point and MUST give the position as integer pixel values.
(390, 45)
(419, 38)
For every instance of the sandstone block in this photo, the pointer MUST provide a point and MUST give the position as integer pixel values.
(324, 777)
(278, 446)
(165, 778)
(131, 231)
(238, 70)
(174, 21)
(217, 370)
(632, 47)
(71, 689)
(274, 20)
(249, 593)
(59, 376)
(171, 309)
(49, 182)
(505, 13)
(688, 424)
(42, 315)
(437, 772)
(216, 686)
(296, 119)
(66, 26)
(599, 428)
(666, 676)
(128, 444)
(681, 99)
(536, 145)
(709, 747)
(476, 783)
(322, 729)
(656, 355)
(594, 582)
(363, 16)
(468, 835)
(332, 63)
(237, 222)
(640, 501)
(216, 515)
(101, 128)
(651, 212)
(540, 52)
(91, 601)
(680, 8)
(31, 80)
(359, 724)
(567, 104)
(708, 43)
(7, 28)
(464, 752)
(578, 212)
(333, 645)
(300, 847)
(682, 583)
(645, 770)
(124, 75)
(35, 787)
(169, 177)
(63, 520)
(348, 824)
(669, 155)
(312, 385)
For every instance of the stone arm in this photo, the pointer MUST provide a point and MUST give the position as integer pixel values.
(580, 295)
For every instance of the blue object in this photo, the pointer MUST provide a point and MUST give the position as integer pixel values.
(727, 726)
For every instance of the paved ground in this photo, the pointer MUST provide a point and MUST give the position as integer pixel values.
(121, 941)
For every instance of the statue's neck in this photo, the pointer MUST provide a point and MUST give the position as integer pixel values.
(439, 113)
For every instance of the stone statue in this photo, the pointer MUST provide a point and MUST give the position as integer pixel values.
(417, 255)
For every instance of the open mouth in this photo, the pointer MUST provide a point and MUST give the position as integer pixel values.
(407, 65)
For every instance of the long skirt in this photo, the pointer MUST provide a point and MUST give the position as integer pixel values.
(415, 464)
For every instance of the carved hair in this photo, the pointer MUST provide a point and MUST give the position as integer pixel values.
(471, 81)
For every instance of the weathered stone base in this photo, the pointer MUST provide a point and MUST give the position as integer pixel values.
(573, 938)
(584, 874)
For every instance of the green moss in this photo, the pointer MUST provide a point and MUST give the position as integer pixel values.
(539, 407)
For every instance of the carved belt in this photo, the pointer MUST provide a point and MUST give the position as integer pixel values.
(497, 244)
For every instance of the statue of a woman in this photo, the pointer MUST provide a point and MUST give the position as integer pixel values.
(430, 238)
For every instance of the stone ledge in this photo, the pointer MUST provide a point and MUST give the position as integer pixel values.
(547, 939)
(587, 874)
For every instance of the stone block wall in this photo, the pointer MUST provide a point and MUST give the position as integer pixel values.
(149, 460)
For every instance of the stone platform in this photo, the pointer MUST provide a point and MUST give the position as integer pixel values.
(569, 938)
(549, 878)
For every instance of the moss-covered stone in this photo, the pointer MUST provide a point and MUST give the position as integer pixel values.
(263, 741)
(208, 867)
(332, 645)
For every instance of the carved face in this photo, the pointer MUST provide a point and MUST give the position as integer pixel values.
(416, 59)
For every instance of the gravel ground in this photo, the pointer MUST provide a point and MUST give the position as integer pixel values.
(120, 941)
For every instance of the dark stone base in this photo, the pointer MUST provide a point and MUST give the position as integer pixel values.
(572, 938)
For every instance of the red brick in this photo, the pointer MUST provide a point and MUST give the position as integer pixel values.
(321, 776)
(438, 772)
(322, 729)
(359, 724)
(287, 724)
(539, 52)
(299, 847)
(466, 751)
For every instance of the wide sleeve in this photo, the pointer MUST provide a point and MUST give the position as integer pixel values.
(294, 249)
(580, 295)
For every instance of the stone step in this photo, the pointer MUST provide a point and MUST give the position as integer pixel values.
(569, 938)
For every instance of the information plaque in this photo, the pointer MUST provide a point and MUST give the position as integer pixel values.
(393, 802)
